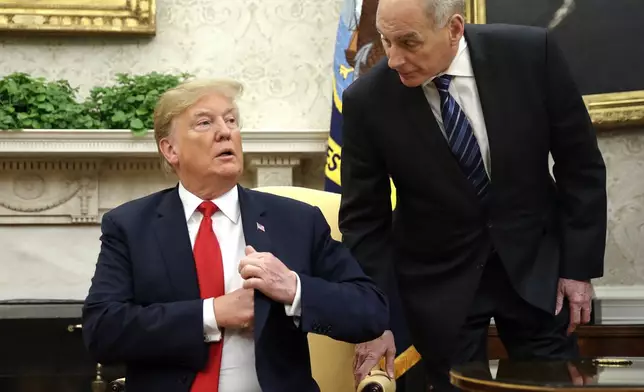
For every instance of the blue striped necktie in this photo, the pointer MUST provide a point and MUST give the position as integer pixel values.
(460, 137)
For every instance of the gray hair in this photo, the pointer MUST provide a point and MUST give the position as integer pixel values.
(441, 10)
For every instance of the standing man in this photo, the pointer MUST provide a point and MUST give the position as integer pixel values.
(462, 119)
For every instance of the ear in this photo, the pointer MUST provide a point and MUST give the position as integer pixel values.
(456, 27)
(169, 151)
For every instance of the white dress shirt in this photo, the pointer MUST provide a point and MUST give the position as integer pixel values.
(464, 90)
(238, 372)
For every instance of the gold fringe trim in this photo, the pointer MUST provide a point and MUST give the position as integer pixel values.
(403, 362)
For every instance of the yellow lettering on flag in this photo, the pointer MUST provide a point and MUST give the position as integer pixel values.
(333, 159)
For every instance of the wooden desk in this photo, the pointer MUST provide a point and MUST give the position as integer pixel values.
(596, 374)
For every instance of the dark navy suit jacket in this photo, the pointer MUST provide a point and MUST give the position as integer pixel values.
(144, 309)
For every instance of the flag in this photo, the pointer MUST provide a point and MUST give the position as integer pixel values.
(357, 49)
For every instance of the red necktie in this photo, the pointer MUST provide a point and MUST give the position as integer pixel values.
(210, 272)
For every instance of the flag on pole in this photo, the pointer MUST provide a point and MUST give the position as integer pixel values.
(357, 49)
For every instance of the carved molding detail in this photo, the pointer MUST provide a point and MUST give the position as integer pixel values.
(56, 191)
(133, 165)
(274, 169)
(122, 143)
(275, 161)
(274, 176)
(34, 180)
(618, 117)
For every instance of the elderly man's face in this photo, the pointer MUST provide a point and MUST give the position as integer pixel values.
(206, 140)
(415, 49)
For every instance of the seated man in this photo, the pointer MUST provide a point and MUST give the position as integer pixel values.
(209, 286)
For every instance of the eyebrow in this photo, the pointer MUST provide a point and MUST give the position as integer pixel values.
(206, 112)
(407, 36)
(411, 35)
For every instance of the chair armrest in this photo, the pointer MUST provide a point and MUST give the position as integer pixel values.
(377, 381)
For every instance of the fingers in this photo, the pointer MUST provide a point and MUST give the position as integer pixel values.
(575, 317)
(575, 375)
(253, 283)
(251, 271)
(358, 358)
(390, 356)
(250, 260)
(560, 301)
(250, 251)
(369, 362)
(263, 260)
(585, 313)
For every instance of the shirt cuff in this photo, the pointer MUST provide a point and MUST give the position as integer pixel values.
(211, 331)
(295, 309)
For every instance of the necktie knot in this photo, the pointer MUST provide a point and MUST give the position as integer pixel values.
(442, 82)
(207, 208)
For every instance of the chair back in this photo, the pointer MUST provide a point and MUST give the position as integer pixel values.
(331, 360)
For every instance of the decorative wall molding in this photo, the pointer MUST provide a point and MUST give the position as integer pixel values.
(620, 304)
(121, 143)
(274, 170)
(51, 191)
(74, 176)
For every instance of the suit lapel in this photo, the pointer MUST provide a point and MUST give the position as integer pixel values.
(417, 110)
(172, 235)
(255, 233)
(489, 84)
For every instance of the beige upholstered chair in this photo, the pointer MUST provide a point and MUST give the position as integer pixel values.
(332, 361)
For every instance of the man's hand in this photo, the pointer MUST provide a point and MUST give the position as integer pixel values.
(235, 309)
(579, 296)
(579, 378)
(266, 273)
(367, 355)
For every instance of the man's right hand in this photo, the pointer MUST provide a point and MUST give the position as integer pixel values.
(367, 356)
(235, 309)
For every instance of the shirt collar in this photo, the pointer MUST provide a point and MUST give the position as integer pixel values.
(461, 65)
(228, 203)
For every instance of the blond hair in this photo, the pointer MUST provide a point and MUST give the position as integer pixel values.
(176, 100)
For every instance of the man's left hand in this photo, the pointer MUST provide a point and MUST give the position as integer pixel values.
(579, 296)
(264, 272)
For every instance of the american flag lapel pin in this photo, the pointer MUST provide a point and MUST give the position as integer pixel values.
(260, 227)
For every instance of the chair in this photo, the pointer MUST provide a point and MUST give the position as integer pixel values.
(331, 360)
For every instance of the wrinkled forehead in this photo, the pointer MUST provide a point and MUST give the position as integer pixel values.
(396, 22)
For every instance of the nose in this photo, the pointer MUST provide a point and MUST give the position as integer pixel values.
(395, 58)
(222, 131)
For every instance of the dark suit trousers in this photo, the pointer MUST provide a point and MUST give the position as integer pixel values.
(527, 332)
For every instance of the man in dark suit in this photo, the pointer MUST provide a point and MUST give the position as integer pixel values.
(462, 119)
(208, 286)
